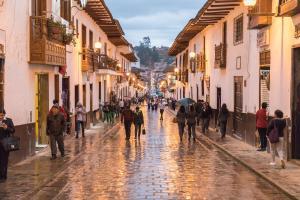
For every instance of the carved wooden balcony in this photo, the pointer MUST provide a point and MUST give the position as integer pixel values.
(201, 62)
(261, 14)
(220, 56)
(87, 63)
(106, 65)
(289, 8)
(46, 43)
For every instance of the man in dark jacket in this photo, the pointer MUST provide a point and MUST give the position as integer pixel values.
(6, 130)
(55, 129)
(199, 110)
(138, 121)
(127, 118)
(206, 115)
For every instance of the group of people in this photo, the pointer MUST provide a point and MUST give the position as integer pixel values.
(129, 117)
(266, 129)
(193, 115)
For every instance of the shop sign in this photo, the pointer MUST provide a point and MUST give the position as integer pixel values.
(263, 38)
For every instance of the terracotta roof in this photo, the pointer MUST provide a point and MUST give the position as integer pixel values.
(212, 12)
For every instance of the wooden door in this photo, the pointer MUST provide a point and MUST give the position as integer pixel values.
(1, 83)
(91, 104)
(66, 92)
(296, 105)
(42, 107)
(219, 102)
(56, 87)
(38, 7)
(238, 105)
(197, 92)
(100, 92)
(84, 95)
(76, 94)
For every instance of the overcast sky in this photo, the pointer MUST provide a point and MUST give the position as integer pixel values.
(161, 20)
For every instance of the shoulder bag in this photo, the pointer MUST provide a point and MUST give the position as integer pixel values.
(11, 143)
(274, 135)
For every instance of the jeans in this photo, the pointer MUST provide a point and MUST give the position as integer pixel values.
(137, 130)
(79, 124)
(127, 125)
(59, 139)
(277, 147)
(205, 124)
(3, 162)
(192, 131)
(181, 129)
(263, 137)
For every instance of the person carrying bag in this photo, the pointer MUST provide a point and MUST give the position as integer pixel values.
(7, 143)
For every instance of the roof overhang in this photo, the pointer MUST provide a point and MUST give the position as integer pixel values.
(212, 12)
(130, 56)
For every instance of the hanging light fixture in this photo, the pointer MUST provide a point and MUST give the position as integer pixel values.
(249, 3)
(192, 55)
(83, 3)
(98, 45)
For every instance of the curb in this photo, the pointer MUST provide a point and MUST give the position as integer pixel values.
(272, 182)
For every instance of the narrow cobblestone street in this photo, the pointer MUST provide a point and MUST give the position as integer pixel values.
(157, 167)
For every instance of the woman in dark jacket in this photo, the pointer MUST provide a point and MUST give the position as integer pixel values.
(191, 119)
(277, 123)
(223, 117)
(181, 115)
(206, 115)
(6, 130)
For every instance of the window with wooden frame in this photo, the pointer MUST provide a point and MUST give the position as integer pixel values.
(65, 9)
(38, 7)
(91, 39)
(77, 28)
(238, 30)
(264, 58)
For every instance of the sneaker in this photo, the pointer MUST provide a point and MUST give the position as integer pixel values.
(272, 163)
(282, 164)
(53, 157)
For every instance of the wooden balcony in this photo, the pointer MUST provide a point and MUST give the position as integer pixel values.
(87, 63)
(261, 14)
(105, 64)
(201, 62)
(220, 56)
(46, 43)
(289, 8)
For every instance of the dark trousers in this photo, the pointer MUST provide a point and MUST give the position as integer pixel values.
(223, 129)
(192, 131)
(263, 137)
(3, 162)
(181, 130)
(161, 114)
(137, 130)
(205, 124)
(59, 139)
(127, 125)
(79, 124)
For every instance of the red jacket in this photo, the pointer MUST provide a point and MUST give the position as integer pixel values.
(261, 118)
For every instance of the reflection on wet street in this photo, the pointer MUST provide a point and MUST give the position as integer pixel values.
(156, 167)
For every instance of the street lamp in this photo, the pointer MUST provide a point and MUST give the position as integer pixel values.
(127, 74)
(249, 3)
(192, 55)
(98, 45)
(169, 77)
(176, 70)
(83, 3)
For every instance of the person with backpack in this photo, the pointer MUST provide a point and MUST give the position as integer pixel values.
(180, 118)
(127, 118)
(222, 120)
(191, 119)
(138, 122)
(275, 134)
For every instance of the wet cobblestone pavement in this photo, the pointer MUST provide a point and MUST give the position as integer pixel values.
(156, 167)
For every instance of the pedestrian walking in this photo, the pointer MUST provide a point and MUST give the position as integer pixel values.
(80, 119)
(206, 115)
(222, 120)
(261, 126)
(191, 119)
(121, 105)
(138, 122)
(105, 110)
(55, 129)
(7, 129)
(199, 110)
(181, 116)
(161, 109)
(127, 118)
(276, 128)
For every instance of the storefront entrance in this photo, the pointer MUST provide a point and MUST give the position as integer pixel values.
(296, 105)
(42, 108)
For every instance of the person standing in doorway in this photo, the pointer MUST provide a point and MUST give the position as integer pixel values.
(181, 116)
(223, 118)
(261, 126)
(161, 109)
(279, 124)
(127, 118)
(138, 122)
(206, 115)
(55, 129)
(7, 129)
(191, 119)
(80, 119)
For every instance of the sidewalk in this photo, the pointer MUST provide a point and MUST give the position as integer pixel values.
(287, 180)
(36, 172)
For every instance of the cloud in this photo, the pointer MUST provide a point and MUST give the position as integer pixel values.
(161, 20)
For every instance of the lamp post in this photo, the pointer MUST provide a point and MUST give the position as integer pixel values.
(250, 3)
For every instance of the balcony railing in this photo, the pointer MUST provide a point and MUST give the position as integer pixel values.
(289, 7)
(87, 60)
(220, 56)
(261, 14)
(46, 42)
(105, 62)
